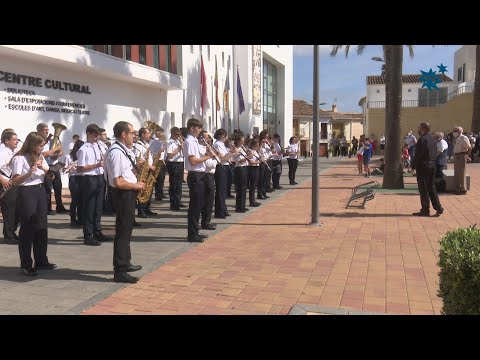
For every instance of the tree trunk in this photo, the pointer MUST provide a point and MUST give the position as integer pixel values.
(393, 174)
(476, 94)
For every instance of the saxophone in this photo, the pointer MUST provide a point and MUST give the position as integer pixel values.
(151, 179)
(144, 195)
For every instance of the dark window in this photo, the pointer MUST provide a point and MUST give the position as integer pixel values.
(88, 46)
(459, 74)
(168, 57)
(269, 97)
(208, 52)
(223, 59)
(323, 131)
(156, 62)
(128, 52)
(142, 49)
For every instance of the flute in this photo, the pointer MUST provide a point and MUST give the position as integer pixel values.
(214, 153)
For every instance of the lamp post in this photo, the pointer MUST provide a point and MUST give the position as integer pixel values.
(316, 101)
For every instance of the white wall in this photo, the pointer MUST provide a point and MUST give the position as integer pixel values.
(372, 94)
(464, 55)
(192, 88)
(111, 100)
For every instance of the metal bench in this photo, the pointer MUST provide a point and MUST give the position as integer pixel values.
(364, 193)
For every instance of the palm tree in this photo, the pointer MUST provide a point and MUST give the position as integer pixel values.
(476, 94)
(393, 56)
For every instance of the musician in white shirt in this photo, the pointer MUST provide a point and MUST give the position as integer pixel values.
(277, 156)
(28, 171)
(159, 143)
(210, 167)
(74, 185)
(293, 152)
(253, 167)
(140, 148)
(175, 168)
(8, 201)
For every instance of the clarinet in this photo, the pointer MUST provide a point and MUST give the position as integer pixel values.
(210, 148)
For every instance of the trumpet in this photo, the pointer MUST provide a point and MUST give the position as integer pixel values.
(212, 150)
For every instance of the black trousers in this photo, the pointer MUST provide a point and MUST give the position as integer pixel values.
(107, 199)
(262, 180)
(56, 184)
(252, 182)
(426, 187)
(230, 179)
(276, 173)
(292, 169)
(9, 212)
(124, 202)
(268, 174)
(221, 190)
(33, 228)
(196, 187)
(240, 187)
(74, 184)
(92, 203)
(207, 208)
(161, 182)
(175, 172)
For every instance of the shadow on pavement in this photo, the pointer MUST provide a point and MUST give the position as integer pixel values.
(13, 274)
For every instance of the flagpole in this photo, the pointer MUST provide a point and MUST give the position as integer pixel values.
(211, 80)
(238, 104)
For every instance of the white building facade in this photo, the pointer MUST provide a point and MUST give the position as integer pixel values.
(76, 85)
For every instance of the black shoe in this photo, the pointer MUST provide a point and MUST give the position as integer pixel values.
(174, 208)
(278, 188)
(422, 213)
(292, 183)
(150, 212)
(228, 214)
(219, 217)
(246, 209)
(182, 205)
(203, 236)
(439, 212)
(266, 197)
(142, 215)
(209, 227)
(123, 277)
(75, 224)
(100, 237)
(295, 183)
(29, 271)
(230, 197)
(47, 266)
(239, 211)
(10, 241)
(261, 197)
(255, 204)
(90, 240)
(61, 209)
(158, 198)
(270, 190)
(15, 236)
(195, 239)
(136, 224)
(133, 268)
(184, 182)
(51, 212)
(461, 192)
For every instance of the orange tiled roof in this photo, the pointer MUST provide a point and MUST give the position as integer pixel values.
(406, 79)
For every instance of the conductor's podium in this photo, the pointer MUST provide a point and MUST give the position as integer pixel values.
(450, 180)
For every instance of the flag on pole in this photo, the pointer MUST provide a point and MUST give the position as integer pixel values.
(203, 84)
(226, 89)
(216, 86)
(241, 103)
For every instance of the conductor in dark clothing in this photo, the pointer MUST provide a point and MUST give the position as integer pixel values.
(424, 164)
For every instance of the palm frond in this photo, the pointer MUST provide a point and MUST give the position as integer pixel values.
(335, 49)
(410, 50)
(360, 49)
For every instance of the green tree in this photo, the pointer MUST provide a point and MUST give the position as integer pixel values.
(393, 57)
(476, 94)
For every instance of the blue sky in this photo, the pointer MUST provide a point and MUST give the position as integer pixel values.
(344, 79)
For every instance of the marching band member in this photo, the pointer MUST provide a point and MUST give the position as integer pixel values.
(175, 166)
(104, 143)
(74, 183)
(292, 151)
(28, 171)
(221, 174)
(159, 144)
(140, 149)
(195, 164)
(8, 201)
(262, 172)
(253, 172)
(52, 155)
(120, 169)
(240, 172)
(230, 169)
(90, 165)
(210, 165)
(276, 162)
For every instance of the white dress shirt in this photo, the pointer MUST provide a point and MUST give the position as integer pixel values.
(20, 166)
(278, 149)
(192, 147)
(117, 163)
(292, 148)
(172, 146)
(73, 171)
(6, 155)
(90, 154)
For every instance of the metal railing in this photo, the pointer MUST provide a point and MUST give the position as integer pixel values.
(424, 102)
